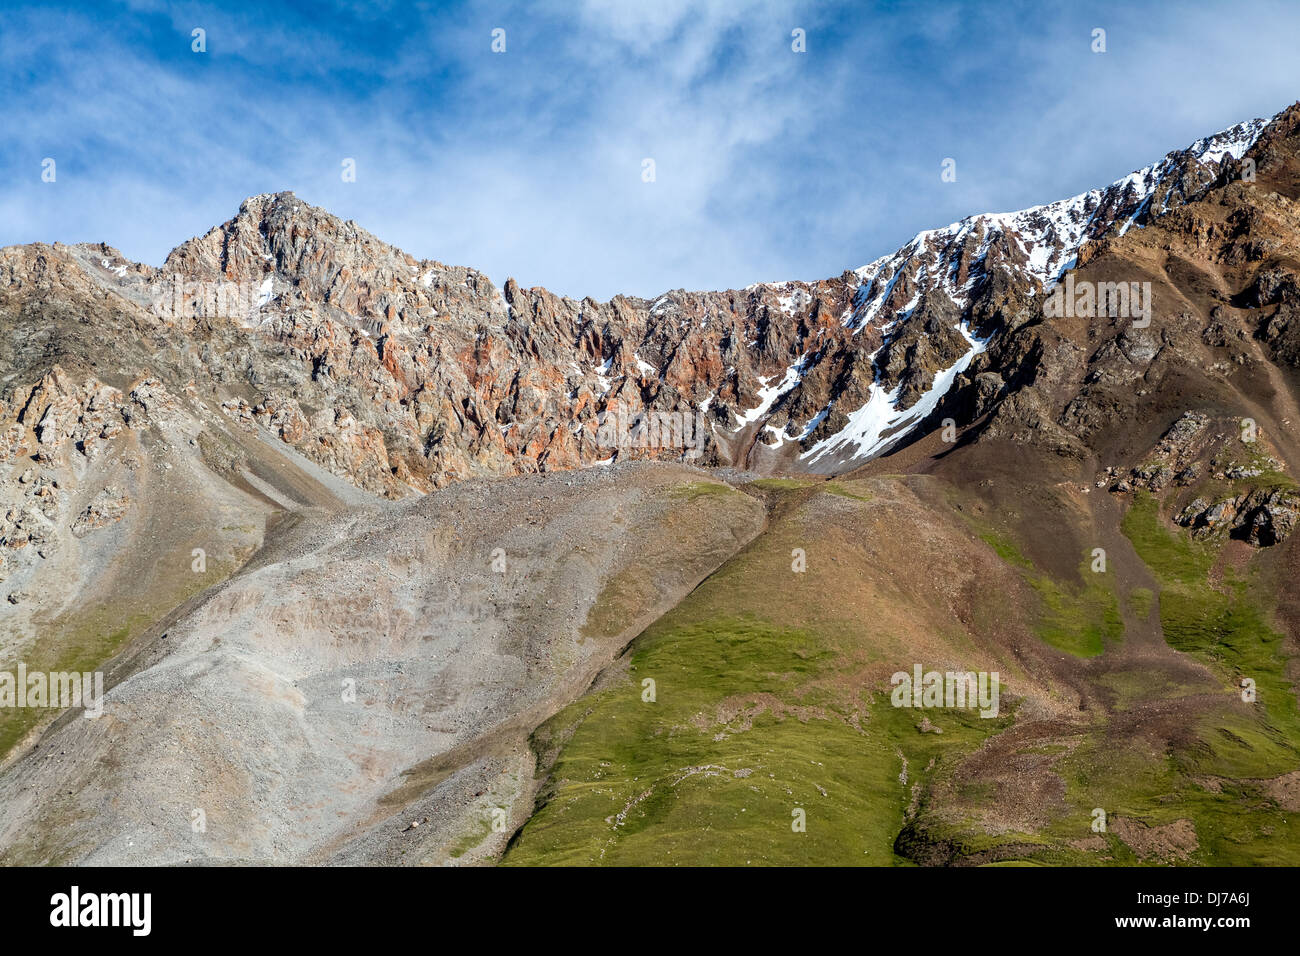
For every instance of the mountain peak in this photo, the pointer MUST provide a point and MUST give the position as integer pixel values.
(805, 376)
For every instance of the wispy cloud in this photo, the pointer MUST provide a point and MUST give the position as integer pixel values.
(769, 164)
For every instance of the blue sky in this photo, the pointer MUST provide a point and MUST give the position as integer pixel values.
(769, 164)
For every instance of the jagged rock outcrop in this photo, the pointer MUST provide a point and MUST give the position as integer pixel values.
(402, 374)
(1211, 266)
(1263, 517)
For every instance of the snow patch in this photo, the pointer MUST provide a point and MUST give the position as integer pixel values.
(880, 423)
(645, 368)
(768, 394)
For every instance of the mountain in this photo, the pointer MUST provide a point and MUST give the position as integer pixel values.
(400, 374)
(1059, 444)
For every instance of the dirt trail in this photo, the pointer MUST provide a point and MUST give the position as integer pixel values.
(1286, 411)
(1143, 653)
(1142, 636)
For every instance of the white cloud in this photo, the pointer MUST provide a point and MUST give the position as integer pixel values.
(769, 164)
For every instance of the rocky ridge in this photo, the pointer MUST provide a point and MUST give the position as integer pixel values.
(402, 374)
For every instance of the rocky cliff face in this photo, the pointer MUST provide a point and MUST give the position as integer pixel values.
(402, 375)
(1197, 396)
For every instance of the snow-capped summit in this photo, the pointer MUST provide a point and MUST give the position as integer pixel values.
(941, 272)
